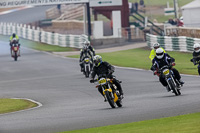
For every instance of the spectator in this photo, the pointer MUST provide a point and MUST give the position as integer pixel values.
(179, 23)
(59, 8)
(142, 3)
(136, 6)
(172, 22)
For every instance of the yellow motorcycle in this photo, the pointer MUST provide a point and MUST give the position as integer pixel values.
(110, 91)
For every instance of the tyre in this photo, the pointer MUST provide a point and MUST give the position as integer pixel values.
(87, 72)
(15, 57)
(179, 92)
(110, 99)
(173, 87)
(119, 103)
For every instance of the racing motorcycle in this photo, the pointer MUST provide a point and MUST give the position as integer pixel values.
(110, 91)
(15, 51)
(87, 66)
(173, 83)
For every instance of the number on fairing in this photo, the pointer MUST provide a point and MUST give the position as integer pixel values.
(15, 48)
(102, 81)
(166, 71)
(87, 59)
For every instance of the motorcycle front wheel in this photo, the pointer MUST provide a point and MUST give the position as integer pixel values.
(87, 72)
(110, 99)
(173, 87)
(15, 57)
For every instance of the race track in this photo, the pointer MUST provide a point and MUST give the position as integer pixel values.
(25, 16)
(71, 102)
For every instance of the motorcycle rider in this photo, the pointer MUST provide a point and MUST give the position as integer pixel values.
(87, 44)
(85, 52)
(104, 68)
(153, 51)
(14, 39)
(196, 56)
(161, 59)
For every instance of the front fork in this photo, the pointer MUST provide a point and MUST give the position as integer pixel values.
(112, 92)
(170, 78)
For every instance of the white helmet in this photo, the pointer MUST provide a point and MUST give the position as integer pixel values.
(87, 43)
(159, 53)
(97, 60)
(14, 40)
(196, 47)
(156, 45)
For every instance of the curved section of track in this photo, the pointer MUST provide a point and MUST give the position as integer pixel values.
(71, 102)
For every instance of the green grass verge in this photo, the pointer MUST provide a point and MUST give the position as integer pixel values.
(39, 46)
(139, 58)
(179, 124)
(11, 105)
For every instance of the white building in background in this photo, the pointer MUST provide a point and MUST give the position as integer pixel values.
(191, 14)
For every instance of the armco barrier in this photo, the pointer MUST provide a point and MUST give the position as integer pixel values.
(36, 34)
(181, 43)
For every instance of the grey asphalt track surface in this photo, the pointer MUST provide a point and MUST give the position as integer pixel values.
(26, 15)
(70, 102)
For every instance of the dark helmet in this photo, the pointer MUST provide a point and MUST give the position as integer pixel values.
(14, 35)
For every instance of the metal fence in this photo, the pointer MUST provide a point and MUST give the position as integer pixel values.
(36, 34)
(132, 34)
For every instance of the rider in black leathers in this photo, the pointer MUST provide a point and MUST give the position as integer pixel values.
(87, 44)
(196, 56)
(104, 68)
(161, 59)
(85, 52)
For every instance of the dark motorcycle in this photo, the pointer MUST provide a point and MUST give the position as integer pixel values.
(110, 91)
(173, 83)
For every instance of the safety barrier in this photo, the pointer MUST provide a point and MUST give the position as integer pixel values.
(181, 43)
(36, 34)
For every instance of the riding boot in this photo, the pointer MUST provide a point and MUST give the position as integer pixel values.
(116, 82)
(199, 69)
(101, 91)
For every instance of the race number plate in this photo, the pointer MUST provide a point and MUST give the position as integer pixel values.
(166, 71)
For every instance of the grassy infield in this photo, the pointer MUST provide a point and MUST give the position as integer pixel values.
(11, 105)
(137, 58)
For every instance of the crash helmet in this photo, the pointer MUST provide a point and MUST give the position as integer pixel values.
(196, 47)
(14, 40)
(159, 53)
(97, 60)
(87, 43)
(13, 35)
(156, 46)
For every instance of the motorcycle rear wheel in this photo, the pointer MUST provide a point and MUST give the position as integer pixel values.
(119, 103)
